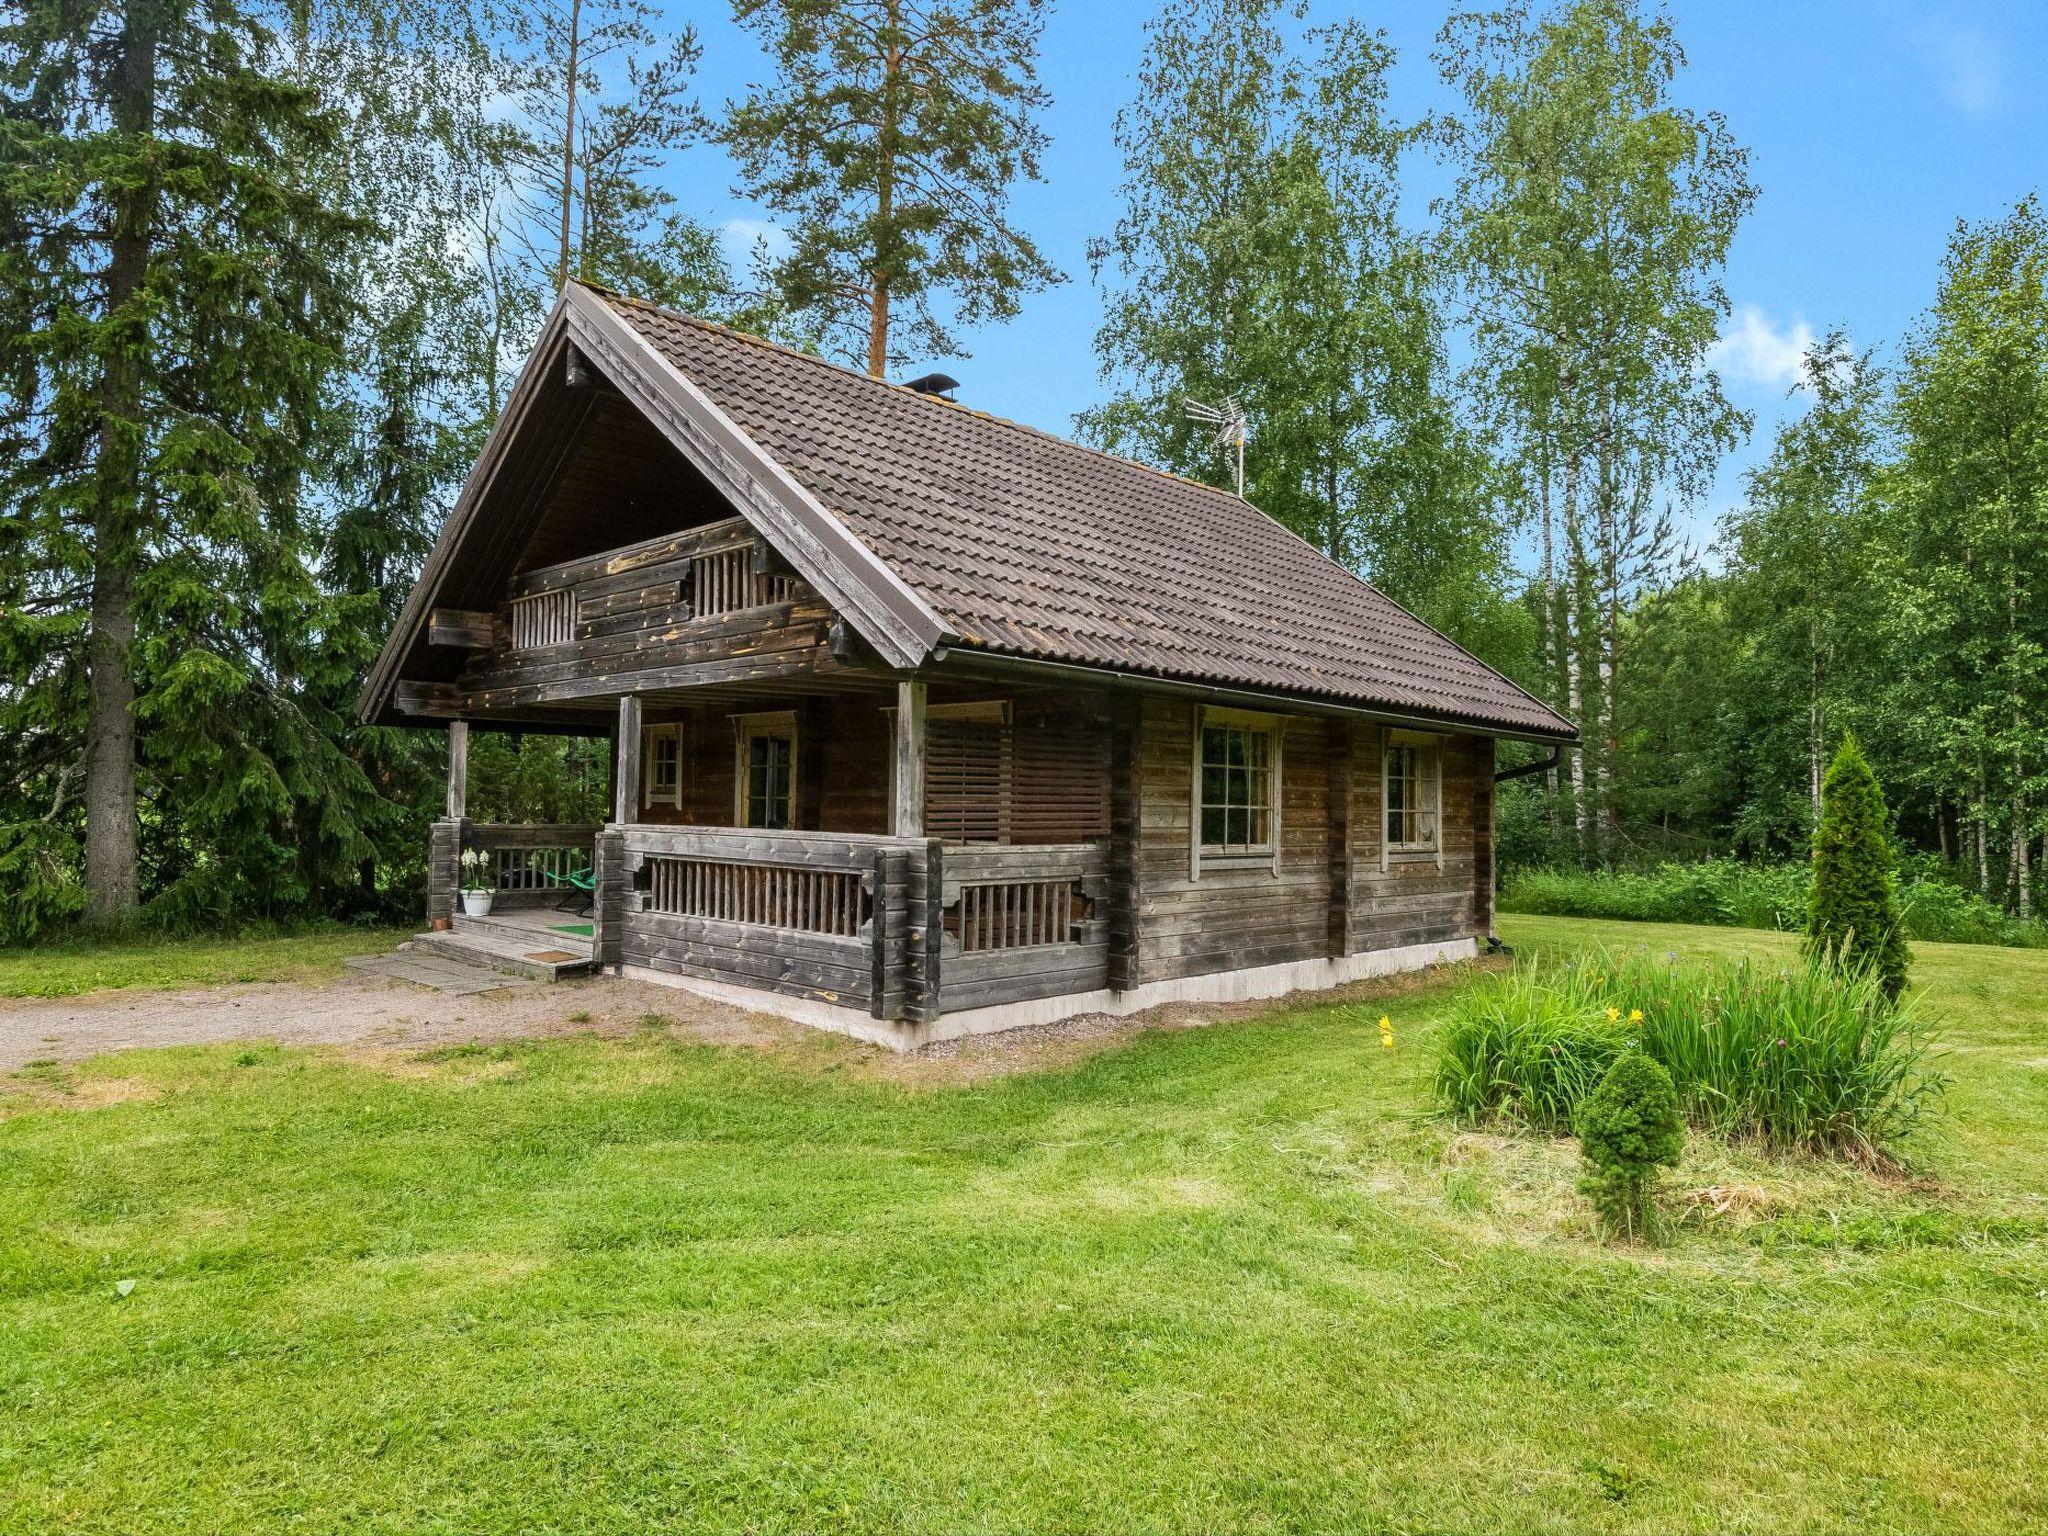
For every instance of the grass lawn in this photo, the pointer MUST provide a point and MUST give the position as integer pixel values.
(66, 968)
(1234, 1279)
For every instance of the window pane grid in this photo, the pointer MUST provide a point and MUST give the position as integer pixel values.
(1411, 775)
(768, 781)
(1237, 790)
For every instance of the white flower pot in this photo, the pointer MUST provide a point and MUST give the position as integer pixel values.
(477, 903)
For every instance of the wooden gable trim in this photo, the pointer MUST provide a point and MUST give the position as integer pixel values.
(884, 612)
(892, 618)
(380, 687)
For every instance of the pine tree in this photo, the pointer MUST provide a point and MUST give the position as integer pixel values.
(1629, 1127)
(1853, 918)
(891, 137)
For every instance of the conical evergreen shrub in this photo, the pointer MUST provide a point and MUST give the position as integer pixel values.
(1629, 1127)
(1853, 914)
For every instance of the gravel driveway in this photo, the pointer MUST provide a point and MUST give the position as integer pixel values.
(355, 1009)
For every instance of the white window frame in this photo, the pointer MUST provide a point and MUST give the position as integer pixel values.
(650, 792)
(746, 729)
(1429, 774)
(1203, 856)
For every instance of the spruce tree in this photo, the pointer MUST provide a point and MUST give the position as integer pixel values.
(1853, 916)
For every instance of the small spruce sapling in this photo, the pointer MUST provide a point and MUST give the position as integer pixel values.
(1853, 914)
(1629, 1127)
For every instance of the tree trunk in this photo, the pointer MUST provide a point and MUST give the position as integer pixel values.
(1983, 841)
(1815, 726)
(2022, 875)
(110, 832)
(1547, 627)
(569, 140)
(885, 200)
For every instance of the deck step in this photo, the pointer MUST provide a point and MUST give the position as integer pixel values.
(533, 928)
(528, 954)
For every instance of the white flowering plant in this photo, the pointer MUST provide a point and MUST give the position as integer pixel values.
(476, 869)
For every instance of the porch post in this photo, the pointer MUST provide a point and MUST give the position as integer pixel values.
(1126, 818)
(907, 817)
(1343, 814)
(458, 769)
(626, 804)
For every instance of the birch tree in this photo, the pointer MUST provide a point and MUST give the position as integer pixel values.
(1259, 255)
(1588, 223)
(1973, 610)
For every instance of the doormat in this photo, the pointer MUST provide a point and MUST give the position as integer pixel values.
(574, 930)
(555, 956)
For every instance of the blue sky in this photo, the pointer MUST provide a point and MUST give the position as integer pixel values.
(1873, 126)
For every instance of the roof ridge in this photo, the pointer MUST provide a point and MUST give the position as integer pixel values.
(750, 339)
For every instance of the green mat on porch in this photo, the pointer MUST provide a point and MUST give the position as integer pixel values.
(581, 930)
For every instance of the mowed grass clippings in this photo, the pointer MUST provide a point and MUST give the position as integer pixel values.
(1229, 1279)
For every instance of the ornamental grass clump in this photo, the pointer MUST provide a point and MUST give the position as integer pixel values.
(1629, 1127)
(1797, 1057)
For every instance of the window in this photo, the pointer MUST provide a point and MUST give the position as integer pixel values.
(1412, 791)
(1237, 771)
(661, 765)
(766, 770)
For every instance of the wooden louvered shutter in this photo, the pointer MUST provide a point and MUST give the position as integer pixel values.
(1062, 783)
(966, 781)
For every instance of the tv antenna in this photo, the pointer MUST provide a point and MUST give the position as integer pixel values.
(1231, 427)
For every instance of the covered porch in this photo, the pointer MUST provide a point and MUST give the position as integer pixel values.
(872, 932)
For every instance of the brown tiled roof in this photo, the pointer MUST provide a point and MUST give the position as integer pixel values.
(1029, 545)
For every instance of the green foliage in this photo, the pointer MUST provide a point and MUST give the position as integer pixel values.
(890, 136)
(1804, 1057)
(1728, 892)
(1590, 217)
(1258, 256)
(1853, 917)
(1721, 891)
(1628, 1127)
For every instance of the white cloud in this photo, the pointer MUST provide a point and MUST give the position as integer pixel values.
(1753, 350)
(1966, 65)
(740, 237)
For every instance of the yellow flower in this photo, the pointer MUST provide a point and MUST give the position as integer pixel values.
(1613, 1014)
(1635, 1015)
(1386, 1032)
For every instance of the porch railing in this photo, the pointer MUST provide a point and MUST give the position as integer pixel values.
(532, 862)
(905, 928)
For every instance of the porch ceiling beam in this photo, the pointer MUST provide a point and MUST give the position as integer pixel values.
(731, 669)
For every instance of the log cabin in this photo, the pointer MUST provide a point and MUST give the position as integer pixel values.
(924, 722)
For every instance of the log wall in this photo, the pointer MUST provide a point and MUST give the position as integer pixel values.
(1311, 901)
